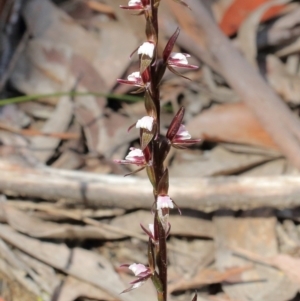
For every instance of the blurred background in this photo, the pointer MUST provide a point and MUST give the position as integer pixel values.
(69, 218)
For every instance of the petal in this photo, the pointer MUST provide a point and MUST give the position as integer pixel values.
(145, 123)
(134, 153)
(138, 268)
(134, 2)
(182, 133)
(134, 76)
(147, 48)
(164, 201)
(179, 57)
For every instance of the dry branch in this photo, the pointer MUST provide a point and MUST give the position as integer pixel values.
(96, 190)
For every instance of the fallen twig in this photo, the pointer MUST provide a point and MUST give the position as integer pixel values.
(94, 190)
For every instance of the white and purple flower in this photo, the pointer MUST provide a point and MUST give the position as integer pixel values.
(141, 271)
(135, 156)
(179, 60)
(164, 201)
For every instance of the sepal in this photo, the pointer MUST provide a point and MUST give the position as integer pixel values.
(177, 73)
(147, 136)
(150, 31)
(157, 283)
(150, 105)
(175, 124)
(151, 175)
(169, 47)
(163, 185)
(151, 256)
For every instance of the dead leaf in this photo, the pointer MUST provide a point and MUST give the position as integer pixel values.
(184, 268)
(80, 263)
(258, 236)
(216, 162)
(287, 85)
(208, 276)
(181, 225)
(230, 123)
(286, 263)
(71, 289)
(248, 30)
(239, 10)
(36, 227)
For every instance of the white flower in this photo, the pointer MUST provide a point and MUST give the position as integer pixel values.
(182, 134)
(145, 123)
(135, 76)
(135, 155)
(179, 58)
(134, 2)
(138, 268)
(164, 201)
(147, 49)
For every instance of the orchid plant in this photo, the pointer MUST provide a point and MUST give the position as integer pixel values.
(154, 147)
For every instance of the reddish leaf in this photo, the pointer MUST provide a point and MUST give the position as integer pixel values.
(240, 9)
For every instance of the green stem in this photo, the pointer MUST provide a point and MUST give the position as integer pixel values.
(71, 94)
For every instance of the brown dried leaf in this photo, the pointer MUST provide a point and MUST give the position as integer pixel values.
(287, 85)
(181, 225)
(258, 236)
(286, 263)
(188, 266)
(209, 276)
(82, 264)
(231, 123)
(218, 161)
(73, 288)
(36, 227)
(248, 30)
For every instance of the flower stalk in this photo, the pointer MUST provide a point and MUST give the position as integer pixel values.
(155, 147)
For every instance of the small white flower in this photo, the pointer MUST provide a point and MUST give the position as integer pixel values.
(134, 2)
(135, 154)
(134, 76)
(179, 58)
(147, 49)
(182, 133)
(145, 123)
(164, 201)
(138, 268)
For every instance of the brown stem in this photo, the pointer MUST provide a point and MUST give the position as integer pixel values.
(162, 256)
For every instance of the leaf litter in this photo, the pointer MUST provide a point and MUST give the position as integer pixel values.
(54, 247)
